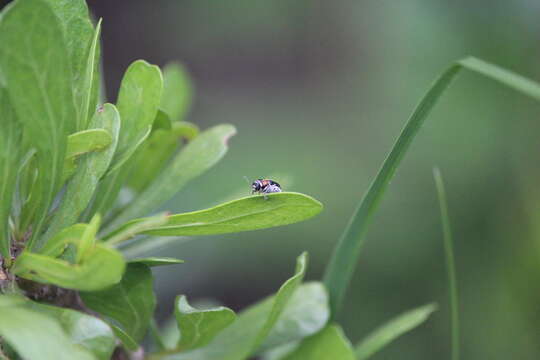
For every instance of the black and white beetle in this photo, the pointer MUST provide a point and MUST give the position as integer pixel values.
(265, 186)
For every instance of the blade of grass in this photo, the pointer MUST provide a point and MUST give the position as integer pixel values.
(392, 330)
(450, 263)
(345, 257)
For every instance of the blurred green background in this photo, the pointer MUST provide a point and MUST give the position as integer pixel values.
(319, 90)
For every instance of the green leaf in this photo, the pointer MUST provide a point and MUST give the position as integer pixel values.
(199, 327)
(343, 262)
(130, 304)
(91, 168)
(35, 335)
(134, 228)
(450, 262)
(157, 151)
(306, 313)
(156, 261)
(101, 268)
(83, 47)
(249, 213)
(197, 157)
(56, 245)
(10, 156)
(84, 330)
(265, 321)
(138, 101)
(86, 141)
(392, 330)
(177, 91)
(34, 61)
(96, 266)
(330, 343)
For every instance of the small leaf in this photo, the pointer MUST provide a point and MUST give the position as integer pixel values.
(330, 343)
(87, 331)
(196, 157)
(392, 330)
(138, 101)
(199, 327)
(56, 245)
(177, 91)
(102, 267)
(130, 304)
(249, 213)
(87, 141)
(156, 261)
(91, 168)
(36, 336)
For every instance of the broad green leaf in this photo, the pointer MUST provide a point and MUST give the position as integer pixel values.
(330, 343)
(196, 157)
(199, 327)
(35, 63)
(253, 326)
(87, 331)
(35, 335)
(86, 141)
(129, 304)
(134, 228)
(138, 102)
(156, 261)
(83, 47)
(10, 155)
(450, 262)
(392, 330)
(343, 262)
(101, 267)
(177, 91)
(157, 151)
(249, 213)
(306, 313)
(91, 168)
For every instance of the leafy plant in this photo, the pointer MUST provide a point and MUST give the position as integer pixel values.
(70, 286)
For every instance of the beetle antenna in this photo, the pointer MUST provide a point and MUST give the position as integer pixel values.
(247, 180)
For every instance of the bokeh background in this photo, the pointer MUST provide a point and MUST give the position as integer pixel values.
(319, 90)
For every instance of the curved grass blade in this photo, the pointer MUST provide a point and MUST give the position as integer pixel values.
(249, 213)
(450, 263)
(392, 330)
(156, 261)
(345, 257)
